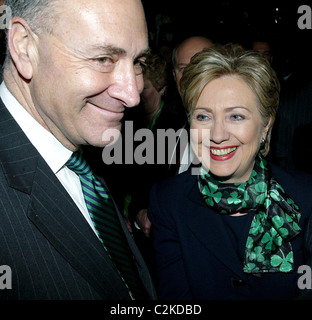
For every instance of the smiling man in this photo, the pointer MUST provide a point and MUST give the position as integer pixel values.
(73, 67)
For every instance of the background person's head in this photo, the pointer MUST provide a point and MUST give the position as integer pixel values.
(155, 84)
(183, 53)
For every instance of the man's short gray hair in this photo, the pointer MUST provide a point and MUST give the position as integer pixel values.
(39, 14)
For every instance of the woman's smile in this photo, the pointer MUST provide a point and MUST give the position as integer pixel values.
(222, 154)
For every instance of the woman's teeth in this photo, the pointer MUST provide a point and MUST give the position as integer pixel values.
(222, 152)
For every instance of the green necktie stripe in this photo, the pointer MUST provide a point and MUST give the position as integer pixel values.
(88, 186)
(106, 222)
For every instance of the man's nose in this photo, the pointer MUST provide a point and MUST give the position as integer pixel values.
(127, 85)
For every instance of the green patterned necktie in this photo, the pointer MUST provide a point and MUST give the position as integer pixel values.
(276, 220)
(107, 225)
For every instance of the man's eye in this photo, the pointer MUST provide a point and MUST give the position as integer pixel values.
(103, 64)
(139, 66)
(103, 60)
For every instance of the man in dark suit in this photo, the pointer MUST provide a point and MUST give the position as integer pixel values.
(74, 67)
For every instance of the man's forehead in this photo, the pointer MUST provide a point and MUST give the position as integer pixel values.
(100, 28)
(94, 14)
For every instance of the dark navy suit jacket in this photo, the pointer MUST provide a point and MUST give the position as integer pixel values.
(49, 246)
(197, 259)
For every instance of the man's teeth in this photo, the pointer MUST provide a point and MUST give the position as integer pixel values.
(222, 152)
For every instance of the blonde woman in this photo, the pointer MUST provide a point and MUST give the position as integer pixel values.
(235, 229)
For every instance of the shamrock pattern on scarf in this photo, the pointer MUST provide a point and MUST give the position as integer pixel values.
(276, 220)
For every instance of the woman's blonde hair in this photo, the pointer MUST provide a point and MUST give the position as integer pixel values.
(232, 59)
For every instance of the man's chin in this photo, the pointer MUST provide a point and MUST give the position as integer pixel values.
(108, 137)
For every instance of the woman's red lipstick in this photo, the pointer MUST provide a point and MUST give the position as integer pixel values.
(222, 154)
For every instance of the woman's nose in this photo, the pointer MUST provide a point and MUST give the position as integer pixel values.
(219, 132)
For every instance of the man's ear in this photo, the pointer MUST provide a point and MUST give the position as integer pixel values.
(21, 42)
(174, 75)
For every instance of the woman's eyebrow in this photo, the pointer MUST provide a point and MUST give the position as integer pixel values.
(203, 109)
(227, 109)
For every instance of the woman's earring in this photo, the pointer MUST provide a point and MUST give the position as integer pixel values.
(262, 142)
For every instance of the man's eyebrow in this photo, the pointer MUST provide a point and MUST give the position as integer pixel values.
(143, 53)
(108, 49)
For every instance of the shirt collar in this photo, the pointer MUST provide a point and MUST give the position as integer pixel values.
(51, 149)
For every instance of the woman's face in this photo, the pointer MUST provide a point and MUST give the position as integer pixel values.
(227, 109)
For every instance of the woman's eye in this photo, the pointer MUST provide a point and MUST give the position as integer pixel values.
(237, 117)
(201, 117)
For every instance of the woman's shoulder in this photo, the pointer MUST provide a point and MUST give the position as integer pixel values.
(178, 184)
(294, 178)
(297, 184)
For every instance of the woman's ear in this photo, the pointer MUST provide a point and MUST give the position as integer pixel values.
(21, 42)
(267, 128)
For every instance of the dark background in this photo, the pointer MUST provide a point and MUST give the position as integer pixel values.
(232, 21)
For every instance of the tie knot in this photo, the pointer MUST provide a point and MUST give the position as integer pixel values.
(78, 164)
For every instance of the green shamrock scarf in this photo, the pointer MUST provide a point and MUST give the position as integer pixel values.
(274, 225)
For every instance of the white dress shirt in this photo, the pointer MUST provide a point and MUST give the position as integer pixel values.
(52, 151)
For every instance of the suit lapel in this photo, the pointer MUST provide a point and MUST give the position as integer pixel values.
(141, 265)
(57, 217)
(53, 212)
(216, 239)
